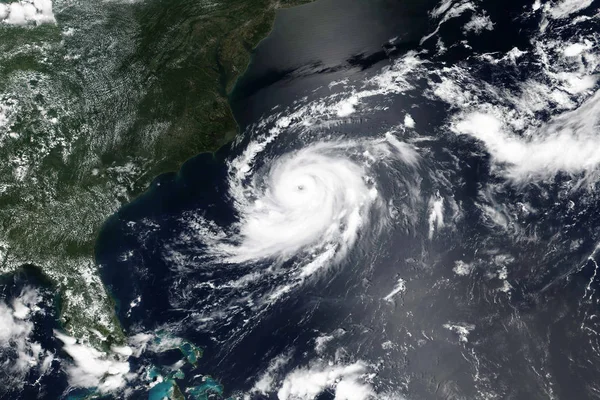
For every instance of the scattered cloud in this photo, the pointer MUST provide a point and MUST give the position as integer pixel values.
(478, 24)
(91, 368)
(346, 381)
(19, 354)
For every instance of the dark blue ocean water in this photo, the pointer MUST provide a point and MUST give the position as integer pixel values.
(520, 337)
(52, 384)
(310, 47)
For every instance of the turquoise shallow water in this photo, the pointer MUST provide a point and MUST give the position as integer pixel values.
(396, 301)
(167, 389)
(209, 387)
(162, 390)
(471, 287)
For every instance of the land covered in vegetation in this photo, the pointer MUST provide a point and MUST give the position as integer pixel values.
(93, 107)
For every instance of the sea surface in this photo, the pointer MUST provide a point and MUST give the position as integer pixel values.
(325, 41)
(437, 273)
(310, 47)
(409, 211)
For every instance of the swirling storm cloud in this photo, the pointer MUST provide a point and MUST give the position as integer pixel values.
(422, 226)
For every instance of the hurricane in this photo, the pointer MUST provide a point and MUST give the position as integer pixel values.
(396, 214)
(315, 200)
(298, 215)
(419, 222)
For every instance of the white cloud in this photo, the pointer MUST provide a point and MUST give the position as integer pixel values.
(3, 11)
(575, 83)
(567, 7)
(347, 106)
(568, 143)
(315, 200)
(91, 368)
(27, 11)
(449, 10)
(462, 268)
(348, 389)
(436, 215)
(400, 287)
(26, 303)
(575, 49)
(479, 23)
(409, 122)
(461, 329)
(267, 381)
(513, 122)
(12, 328)
(18, 353)
(139, 343)
(16, 14)
(109, 373)
(322, 341)
(347, 382)
(441, 8)
(122, 350)
(406, 152)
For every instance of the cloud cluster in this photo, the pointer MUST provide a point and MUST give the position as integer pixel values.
(267, 380)
(547, 121)
(564, 8)
(478, 24)
(436, 214)
(18, 353)
(399, 288)
(315, 198)
(27, 11)
(91, 368)
(346, 381)
(568, 143)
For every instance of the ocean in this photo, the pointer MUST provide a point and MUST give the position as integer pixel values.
(366, 228)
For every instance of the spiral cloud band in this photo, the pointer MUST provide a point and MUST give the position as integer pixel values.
(313, 200)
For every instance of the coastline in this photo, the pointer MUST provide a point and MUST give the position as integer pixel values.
(172, 174)
(67, 224)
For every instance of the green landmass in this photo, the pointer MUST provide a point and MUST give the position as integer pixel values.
(92, 108)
